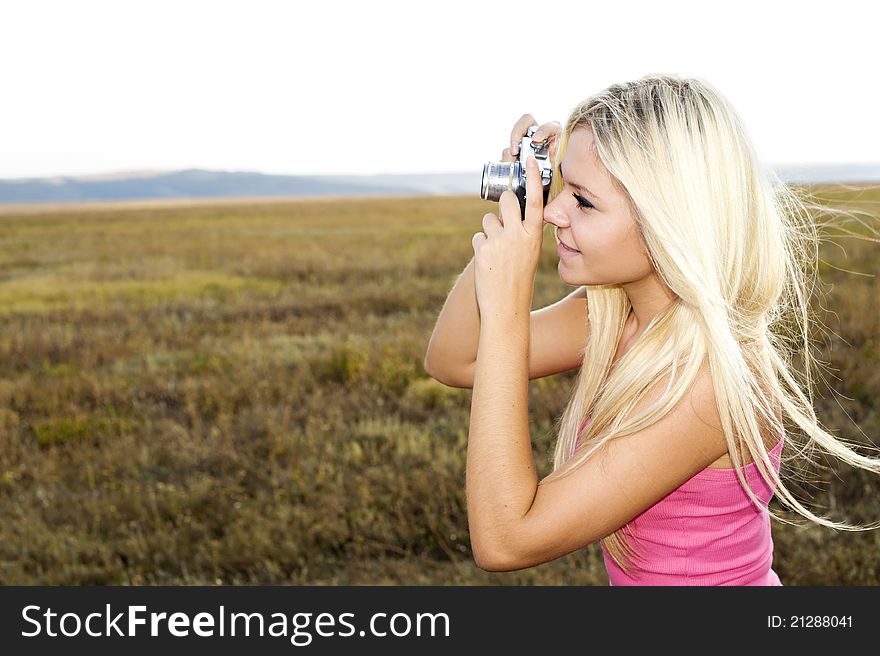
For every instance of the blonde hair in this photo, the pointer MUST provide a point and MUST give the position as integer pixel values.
(738, 248)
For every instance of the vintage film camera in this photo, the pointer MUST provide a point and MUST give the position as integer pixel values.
(501, 176)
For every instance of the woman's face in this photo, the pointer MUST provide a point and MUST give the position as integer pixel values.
(596, 221)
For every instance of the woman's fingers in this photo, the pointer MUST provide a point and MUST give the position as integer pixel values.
(519, 131)
(547, 131)
(490, 223)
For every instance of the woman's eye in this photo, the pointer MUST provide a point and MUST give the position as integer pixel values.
(582, 202)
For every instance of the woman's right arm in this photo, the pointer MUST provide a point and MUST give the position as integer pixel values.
(558, 334)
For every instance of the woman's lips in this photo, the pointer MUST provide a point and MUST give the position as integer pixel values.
(565, 251)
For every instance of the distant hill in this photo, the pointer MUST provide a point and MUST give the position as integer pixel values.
(829, 173)
(198, 183)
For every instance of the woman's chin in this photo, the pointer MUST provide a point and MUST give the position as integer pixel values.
(574, 275)
(565, 274)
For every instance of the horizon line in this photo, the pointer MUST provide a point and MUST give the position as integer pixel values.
(131, 173)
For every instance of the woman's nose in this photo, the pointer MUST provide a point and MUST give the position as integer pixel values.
(554, 214)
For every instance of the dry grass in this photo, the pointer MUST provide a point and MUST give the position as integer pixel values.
(234, 393)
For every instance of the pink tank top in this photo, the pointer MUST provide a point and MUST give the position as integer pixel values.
(706, 532)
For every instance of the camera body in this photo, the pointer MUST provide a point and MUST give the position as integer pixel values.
(498, 177)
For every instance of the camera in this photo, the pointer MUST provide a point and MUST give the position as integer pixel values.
(498, 177)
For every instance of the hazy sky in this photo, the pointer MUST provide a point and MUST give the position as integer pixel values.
(400, 87)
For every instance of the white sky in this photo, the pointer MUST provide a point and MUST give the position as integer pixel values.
(404, 87)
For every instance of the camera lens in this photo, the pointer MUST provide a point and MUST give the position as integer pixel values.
(498, 177)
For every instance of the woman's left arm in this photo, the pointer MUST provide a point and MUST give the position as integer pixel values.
(501, 481)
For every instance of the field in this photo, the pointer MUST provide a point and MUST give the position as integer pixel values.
(234, 393)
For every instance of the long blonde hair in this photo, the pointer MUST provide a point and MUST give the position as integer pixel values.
(738, 248)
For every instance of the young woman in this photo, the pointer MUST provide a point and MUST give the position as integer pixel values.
(687, 256)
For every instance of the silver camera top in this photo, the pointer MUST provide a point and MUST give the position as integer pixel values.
(539, 149)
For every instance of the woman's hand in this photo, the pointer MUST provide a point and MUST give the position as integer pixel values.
(506, 256)
(549, 132)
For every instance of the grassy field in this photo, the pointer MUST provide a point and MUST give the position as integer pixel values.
(234, 393)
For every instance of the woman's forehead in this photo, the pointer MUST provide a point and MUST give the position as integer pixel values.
(581, 165)
(580, 152)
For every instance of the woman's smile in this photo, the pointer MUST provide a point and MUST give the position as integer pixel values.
(565, 251)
